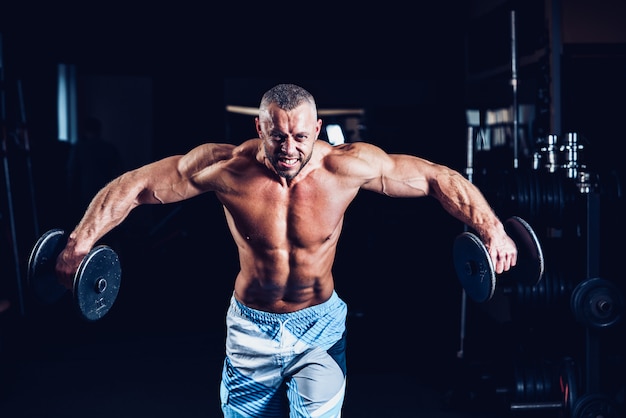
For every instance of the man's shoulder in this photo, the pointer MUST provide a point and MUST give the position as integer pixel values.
(237, 158)
(247, 147)
(356, 160)
(351, 150)
(219, 151)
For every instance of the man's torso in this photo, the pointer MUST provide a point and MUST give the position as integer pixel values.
(286, 236)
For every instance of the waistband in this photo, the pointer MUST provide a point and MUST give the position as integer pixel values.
(264, 317)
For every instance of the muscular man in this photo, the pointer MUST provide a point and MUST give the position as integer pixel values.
(284, 196)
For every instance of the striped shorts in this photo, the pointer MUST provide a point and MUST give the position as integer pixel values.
(285, 364)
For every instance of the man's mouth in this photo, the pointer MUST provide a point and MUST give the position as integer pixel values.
(289, 161)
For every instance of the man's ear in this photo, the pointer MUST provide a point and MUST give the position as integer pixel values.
(257, 124)
(319, 128)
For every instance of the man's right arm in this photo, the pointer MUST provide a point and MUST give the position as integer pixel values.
(169, 180)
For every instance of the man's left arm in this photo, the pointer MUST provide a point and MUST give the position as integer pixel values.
(465, 201)
(409, 176)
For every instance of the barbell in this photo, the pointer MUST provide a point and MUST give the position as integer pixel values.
(96, 281)
(474, 267)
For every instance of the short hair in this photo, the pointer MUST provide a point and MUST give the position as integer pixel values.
(286, 96)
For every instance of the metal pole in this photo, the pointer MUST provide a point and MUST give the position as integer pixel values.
(592, 341)
(514, 85)
(469, 170)
(7, 178)
(29, 165)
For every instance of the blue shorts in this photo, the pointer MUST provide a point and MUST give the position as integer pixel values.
(291, 364)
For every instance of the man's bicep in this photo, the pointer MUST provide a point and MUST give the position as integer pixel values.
(404, 176)
(163, 181)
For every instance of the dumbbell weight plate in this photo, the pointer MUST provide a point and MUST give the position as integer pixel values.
(569, 383)
(97, 282)
(530, 263)
(41, 274)
(594, 405)
(597, 303)
(474, 267)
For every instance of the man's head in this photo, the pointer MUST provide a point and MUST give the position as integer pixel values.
(287, 97)
(288, 125)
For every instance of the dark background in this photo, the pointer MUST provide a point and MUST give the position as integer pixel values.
(414, 67)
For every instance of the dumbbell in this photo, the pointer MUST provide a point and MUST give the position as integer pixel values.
(598, 303)
(475, 269)
(96, 281)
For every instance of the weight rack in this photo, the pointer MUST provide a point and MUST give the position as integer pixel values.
(562, 199)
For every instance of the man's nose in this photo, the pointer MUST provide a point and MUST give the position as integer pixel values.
(288, 145)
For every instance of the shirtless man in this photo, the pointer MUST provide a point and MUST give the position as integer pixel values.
(284, 196)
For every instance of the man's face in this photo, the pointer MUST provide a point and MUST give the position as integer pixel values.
(288, 137)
